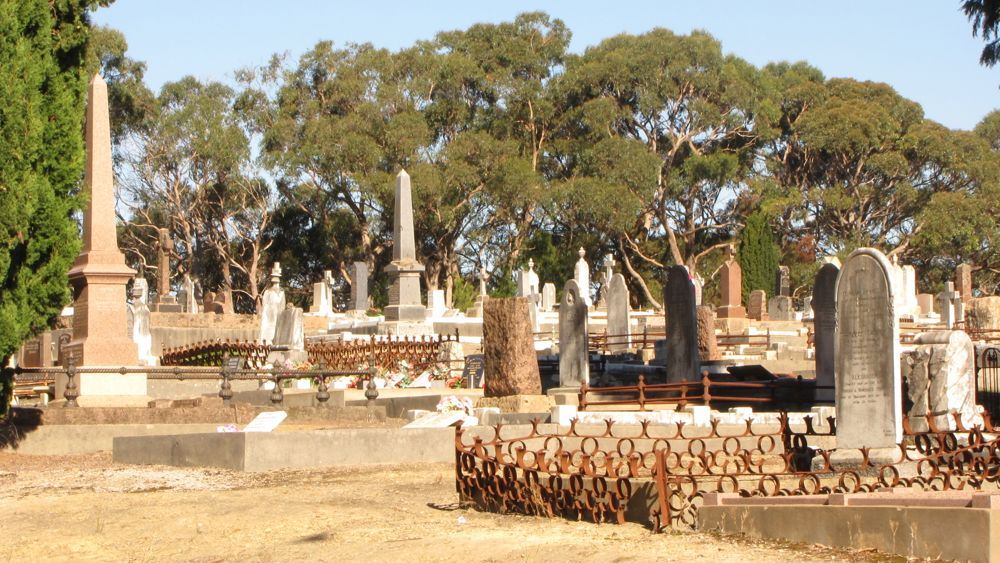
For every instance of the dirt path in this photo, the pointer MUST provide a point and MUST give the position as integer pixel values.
(86, 508)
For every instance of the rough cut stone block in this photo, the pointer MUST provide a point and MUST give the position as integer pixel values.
(508, 349)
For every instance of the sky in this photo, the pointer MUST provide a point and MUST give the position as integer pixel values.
(922, 48)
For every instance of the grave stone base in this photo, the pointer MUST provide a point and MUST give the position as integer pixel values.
(518, 403)
(106, 389)
(406, 328)
(565, 395)
(733, 325)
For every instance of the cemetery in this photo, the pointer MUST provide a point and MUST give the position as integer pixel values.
(824, 407)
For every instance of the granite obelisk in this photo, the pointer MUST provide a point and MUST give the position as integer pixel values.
(99, 274)
(404, 270)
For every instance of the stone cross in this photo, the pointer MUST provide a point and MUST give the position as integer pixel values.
(574, 359)
(581, 273)
(824, 305)
(946, 303)
(867, 365)
(682, 326)
(619, 321)
(404, 270)
(99, 275)
(483, 278)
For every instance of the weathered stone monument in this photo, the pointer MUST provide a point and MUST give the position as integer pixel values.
(138, 321)
(165, 302)
(477, 307)
(963, 281)
(926, 303)
(619, 315)
(731, 287)
(508, 349)
(272, 304)
(574, 357)
(758, 305)
(940, 375)
(708, 348)
(190, 301)
(581, 273)
(824, 304)
(437, 305)
(322, 302)
(783, 283)
(359, 286)
(682, 326)
(947, 308)
(289, 329)
(404, 270)
(780, 308)
(548, 297)
(869, 402)
(99, 275)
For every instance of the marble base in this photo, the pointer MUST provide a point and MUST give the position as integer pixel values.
(107, 388)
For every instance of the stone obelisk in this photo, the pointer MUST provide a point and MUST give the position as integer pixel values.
(99, 274)
(404, 270)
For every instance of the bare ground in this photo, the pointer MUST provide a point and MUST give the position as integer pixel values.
(87, 508)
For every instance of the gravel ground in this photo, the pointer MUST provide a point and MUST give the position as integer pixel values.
(85, 507)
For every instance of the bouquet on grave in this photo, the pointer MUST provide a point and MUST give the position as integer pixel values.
(451, 403)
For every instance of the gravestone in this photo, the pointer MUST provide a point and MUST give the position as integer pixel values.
(783, 284)
(404, 270)
(574, 358)
(946, 305)
(548, 297)
(699, 287)
(138, 321)
(208, 302)
(619, 315)
(271, 305)
(807, 307)
(925, 301)
(910, 306)
(476, 310)
(940, 376)
(869, 402)
(708, 348)
(359, 286)
(438, 307)
(509, 349)
(581, 273)
(322, 303)
(758, 305)
(224, 302)
(780, 308)
(472, 371)
(731, 286)
(963, 281)
(289, 329)
(165, 302)
(824, 304)
(190, 301)
(682, 326)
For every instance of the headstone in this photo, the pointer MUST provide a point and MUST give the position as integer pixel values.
(783, 284)
(99, 275)
(925, 301)
(190, 301)
(438, 307)
(266, 421)
(404, 270)
(824, 304)
(139, 320)
(359, 286)
(477, 307)
(869, 402)
(509, 350)
(574, 358)
(272, 304)
(208, 302)
(910, 306)
(472, 372)
(963, 281)
(699, 287)
(581, 273)
(548, 297)
(619, 315)
(941, 380)
(224, 302)
(682, 326)
(322, 303)
(609, 270)
(780, 308)
(289, 329)
(708, 348)
(807, 307)
(758, 305)
(731, 285)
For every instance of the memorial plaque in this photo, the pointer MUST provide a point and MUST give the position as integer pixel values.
(869, 405)
(233, 363)
(472, 373)
(266, 421)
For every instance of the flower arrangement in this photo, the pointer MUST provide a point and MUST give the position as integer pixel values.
(451, 403)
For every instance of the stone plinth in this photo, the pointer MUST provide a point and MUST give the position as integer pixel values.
(940, 377)
(404, 270)
(731, 286)
(508, 349)
(110, 389)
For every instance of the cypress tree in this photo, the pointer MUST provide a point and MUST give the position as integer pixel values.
(42, 86)
(758, 255)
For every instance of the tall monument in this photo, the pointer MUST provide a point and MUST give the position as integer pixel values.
(99, 274)
(404, 270)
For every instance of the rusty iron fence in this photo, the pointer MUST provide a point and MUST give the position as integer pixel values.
(773, 393)
(988, 380)
(595, 475)
(419, 352)
(211, 353)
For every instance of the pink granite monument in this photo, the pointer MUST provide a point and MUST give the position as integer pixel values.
(731, 285)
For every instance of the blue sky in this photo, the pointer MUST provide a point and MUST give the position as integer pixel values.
(923, 48)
